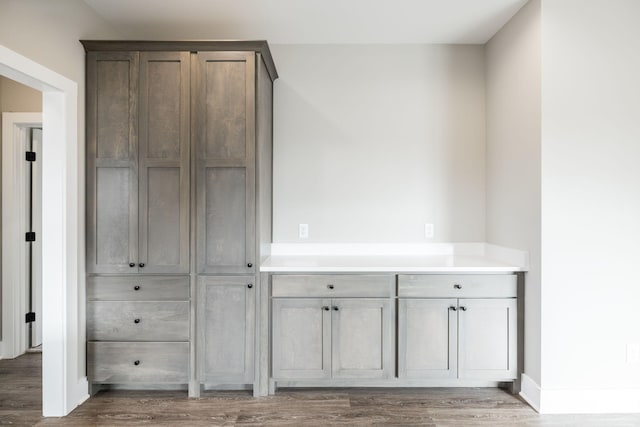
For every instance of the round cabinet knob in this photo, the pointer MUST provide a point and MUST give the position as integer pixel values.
(132, 264)
(136, 288)
(136, 321)
(249, 265)
(453, 308)
(457, 286)
(141, 264)
(335, 308)
(330, 286)
(325, 308)
(250, 285)
(463, 308)
(137, 362)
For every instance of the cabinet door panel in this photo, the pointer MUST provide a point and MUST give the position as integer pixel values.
(227, 329)
(112, 162)
(164, 162)
(301, 339)
(487, 339)
(224, 132)
(361, 338)
(114, 81)
(226, 217)
(427, 341)
(226, 112)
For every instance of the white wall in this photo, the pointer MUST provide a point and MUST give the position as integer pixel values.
(513, 92)
(373, 141)
(48, 32)
(590, 204)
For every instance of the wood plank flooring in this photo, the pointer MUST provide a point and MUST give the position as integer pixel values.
(20, 404)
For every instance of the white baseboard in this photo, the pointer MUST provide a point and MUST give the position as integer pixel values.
(530, 392)
(82, 391)
(579, 401)
(594, 401)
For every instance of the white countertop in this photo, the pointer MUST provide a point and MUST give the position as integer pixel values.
(437, 258)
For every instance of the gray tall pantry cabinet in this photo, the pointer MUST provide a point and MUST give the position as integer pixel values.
(179, 158)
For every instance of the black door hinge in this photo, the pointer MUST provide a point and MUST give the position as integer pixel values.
(30, 236)
(31, 156)
(30, 317)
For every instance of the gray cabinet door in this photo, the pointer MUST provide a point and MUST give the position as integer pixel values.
(224, 132)
(226, 329)
(301, 338)
(361, 338)
(487, 339)
(427, 338)
(112, 162)
(164, 162)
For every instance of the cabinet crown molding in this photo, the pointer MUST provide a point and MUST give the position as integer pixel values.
(258, 46)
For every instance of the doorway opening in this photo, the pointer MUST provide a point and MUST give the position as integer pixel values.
(64, 382)
(21, 233)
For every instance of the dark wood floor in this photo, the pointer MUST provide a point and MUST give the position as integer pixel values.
(20, 404)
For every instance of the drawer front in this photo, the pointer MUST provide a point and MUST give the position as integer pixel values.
(458, 286)
(331, 286)
(157, 363)
(138, 320)
(138, 288)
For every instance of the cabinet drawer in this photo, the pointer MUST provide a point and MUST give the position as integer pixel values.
(157, 362)
(138, 320)
(138, 288)
(329, 286)
(457, 286)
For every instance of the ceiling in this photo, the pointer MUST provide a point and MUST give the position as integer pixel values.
(310, 21)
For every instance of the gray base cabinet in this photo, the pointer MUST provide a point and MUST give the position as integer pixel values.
(447, 330)
(346, 337)
(466, 338)
(138, 329)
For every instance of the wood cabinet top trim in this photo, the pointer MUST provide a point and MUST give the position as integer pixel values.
(258, 46)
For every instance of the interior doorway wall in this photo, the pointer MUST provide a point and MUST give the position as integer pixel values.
(63, 387)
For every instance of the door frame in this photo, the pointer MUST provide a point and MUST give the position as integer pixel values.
(15, 134)
(64, 381)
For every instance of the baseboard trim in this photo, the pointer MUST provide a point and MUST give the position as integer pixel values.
(593, 401)
(530, 392)
(82, 391)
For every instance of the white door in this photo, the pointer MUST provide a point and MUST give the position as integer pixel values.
(36, 247)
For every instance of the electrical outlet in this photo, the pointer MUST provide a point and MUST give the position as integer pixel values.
(303, 231)
(428, 231)
(633, 353)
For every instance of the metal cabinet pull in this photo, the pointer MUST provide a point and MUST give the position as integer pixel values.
(463, 308)
(330, 286)
(325, 308)
(335, 308)
(457, 286)
(137, 362)
(136, 288)
(250, 285)
(141, 264)
(132, 264)
(249, 265)
(452, 308)
(136, 321)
